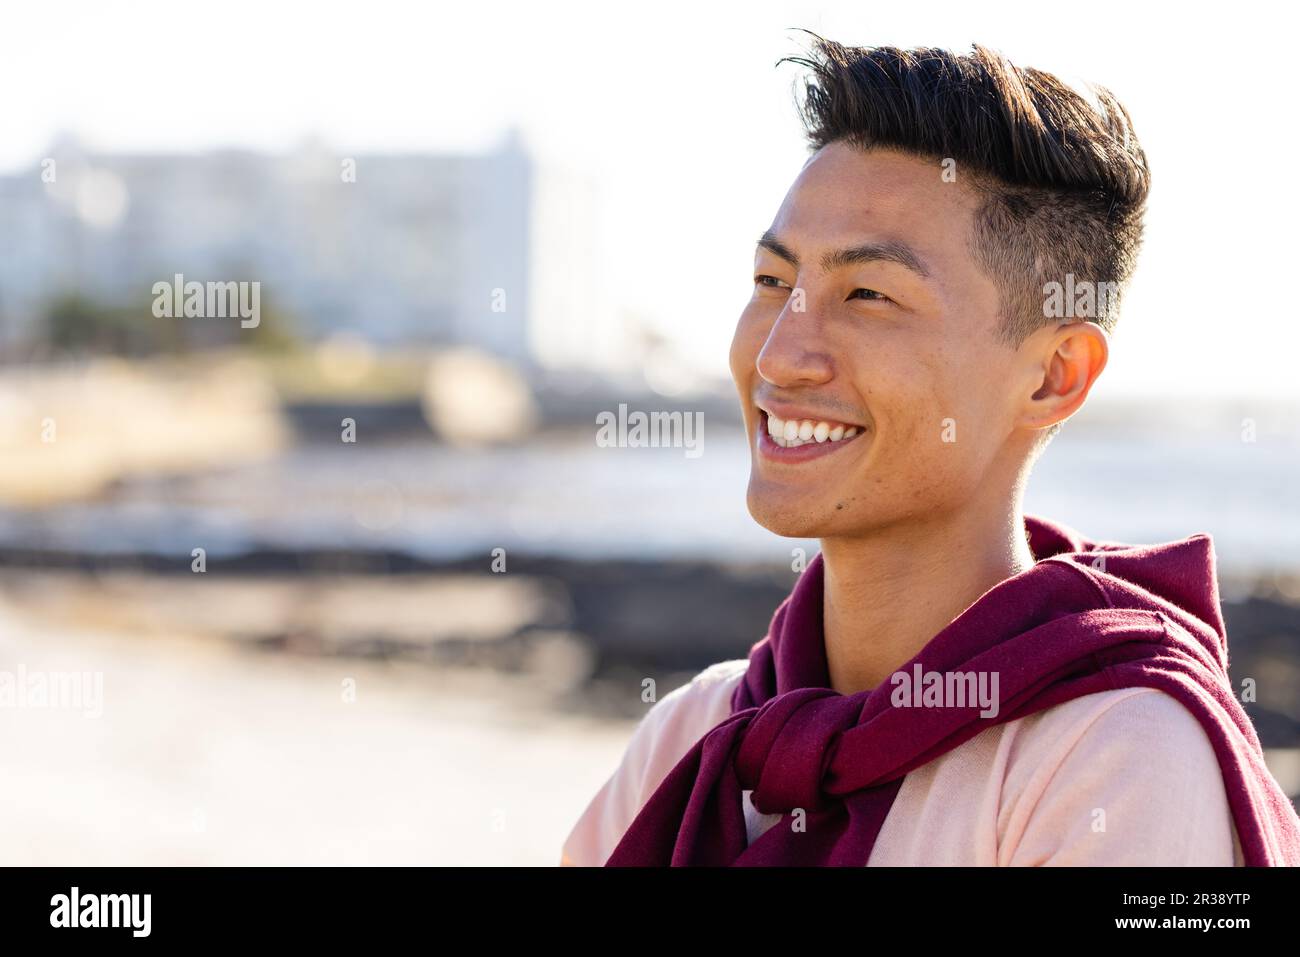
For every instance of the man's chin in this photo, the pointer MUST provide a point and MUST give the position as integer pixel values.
(788, 516)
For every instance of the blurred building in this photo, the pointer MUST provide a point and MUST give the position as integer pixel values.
(493, 250)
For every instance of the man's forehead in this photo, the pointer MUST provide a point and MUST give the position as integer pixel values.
(853, 196)
(878, 173)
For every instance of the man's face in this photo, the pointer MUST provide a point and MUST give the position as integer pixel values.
(898, 342)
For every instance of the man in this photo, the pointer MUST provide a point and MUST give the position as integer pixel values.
(950, 682)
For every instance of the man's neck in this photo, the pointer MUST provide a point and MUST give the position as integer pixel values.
(887, 595)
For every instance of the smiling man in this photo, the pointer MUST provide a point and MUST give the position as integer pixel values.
(931, 301)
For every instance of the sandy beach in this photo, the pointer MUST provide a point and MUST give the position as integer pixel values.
(210, 753)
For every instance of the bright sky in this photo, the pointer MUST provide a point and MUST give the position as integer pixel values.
(691, 132)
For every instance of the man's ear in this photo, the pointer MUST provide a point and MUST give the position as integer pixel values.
(1064, 362)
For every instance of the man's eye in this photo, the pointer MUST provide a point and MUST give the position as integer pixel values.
(871, 295)
(771, 282)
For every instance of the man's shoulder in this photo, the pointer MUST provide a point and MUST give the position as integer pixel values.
(727, 672)
(1137, 754)
(663, 736)
(1125, 726)
(1143, 712)
(700, 703)
(680, 718)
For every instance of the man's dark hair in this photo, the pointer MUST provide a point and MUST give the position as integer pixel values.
(1064, 181)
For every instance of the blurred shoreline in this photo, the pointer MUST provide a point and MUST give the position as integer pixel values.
(585, 632)
(343, 447)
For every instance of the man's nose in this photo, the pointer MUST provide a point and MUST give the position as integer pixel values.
(795, 352)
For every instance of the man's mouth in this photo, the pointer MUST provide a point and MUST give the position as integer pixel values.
(800, 439)
(791, 433)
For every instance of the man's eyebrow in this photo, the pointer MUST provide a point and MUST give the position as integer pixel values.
(891, 250)
(773, 245)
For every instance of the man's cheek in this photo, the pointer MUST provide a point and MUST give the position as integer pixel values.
(740, 359)
(921, 441)
(745, 344)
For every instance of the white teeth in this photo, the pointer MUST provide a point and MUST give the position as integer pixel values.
(793, 433)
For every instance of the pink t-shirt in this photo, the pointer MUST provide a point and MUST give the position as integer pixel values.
(1124, 777)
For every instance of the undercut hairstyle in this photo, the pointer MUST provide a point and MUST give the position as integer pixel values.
(1063, 181)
